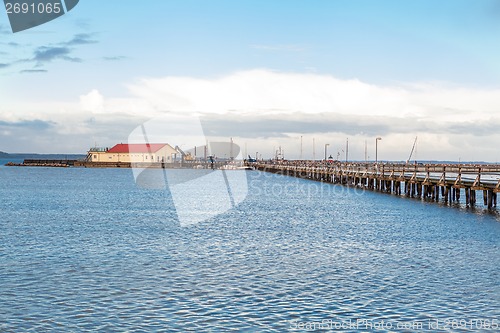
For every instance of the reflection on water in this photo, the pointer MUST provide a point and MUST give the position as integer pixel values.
(85, 249)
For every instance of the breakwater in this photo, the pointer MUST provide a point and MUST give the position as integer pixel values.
(153, 165)
(45, 163)
(434, 182)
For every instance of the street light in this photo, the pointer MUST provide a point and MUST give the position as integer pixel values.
(314, 150)
(376, 149)
(326, 145)
(347, 150)
(300, 147)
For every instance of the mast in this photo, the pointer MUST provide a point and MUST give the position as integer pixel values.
(412, 149)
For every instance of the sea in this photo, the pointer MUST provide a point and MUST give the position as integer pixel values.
(89, 250)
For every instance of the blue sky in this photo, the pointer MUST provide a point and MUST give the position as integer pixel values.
(109, 46)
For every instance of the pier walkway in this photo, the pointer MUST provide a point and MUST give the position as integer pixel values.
(429, 181)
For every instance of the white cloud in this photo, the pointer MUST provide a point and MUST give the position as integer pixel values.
(273, 92)
(267, 91)
(96, 103)
(93, 102)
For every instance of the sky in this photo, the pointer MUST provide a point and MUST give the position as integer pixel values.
(266, 73)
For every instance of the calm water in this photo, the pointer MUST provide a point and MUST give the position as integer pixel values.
(87, 250)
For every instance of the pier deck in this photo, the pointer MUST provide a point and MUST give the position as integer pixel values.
(428, 181)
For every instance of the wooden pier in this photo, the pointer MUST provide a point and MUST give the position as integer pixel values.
(450, 182)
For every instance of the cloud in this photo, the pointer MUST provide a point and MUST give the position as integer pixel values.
(281, 125)
(81, 39)
(274, 108)
(24, 71)
(73, 132)
(46, 54)
(267, 108)
(4, 65)
(479, 128)
(93, 102)
(264, 92)
(286, 125)
(29, 124)
(61, 51)
(55, 52)
(115, 58)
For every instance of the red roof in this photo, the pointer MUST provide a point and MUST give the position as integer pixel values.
(137, 148)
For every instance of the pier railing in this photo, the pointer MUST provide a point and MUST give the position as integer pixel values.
(415, 180)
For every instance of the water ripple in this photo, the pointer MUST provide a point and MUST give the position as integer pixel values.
(88, 251)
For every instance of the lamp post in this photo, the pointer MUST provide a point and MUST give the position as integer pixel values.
(326, 146)
(314, 150)
(301, 147)
(376, 149)
(347, 150)
(366, 158)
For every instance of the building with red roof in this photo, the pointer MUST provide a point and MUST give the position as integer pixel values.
(135, 152)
